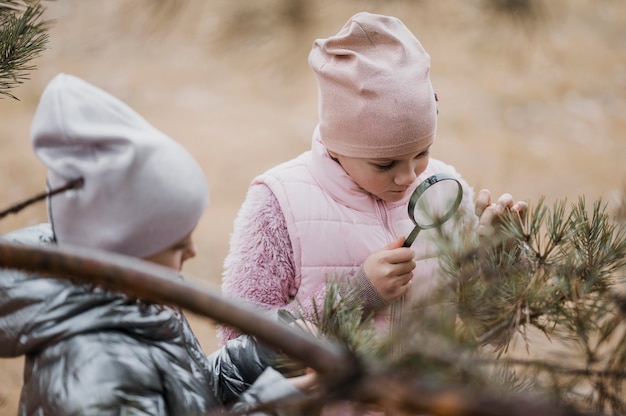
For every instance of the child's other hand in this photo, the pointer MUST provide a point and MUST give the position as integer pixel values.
(490, 213)
(306, 382)
(391, 270)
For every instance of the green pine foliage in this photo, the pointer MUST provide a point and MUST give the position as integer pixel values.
(563, 278)
(558, 273)
(23, 38)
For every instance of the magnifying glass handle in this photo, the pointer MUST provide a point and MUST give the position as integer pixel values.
(411, 238)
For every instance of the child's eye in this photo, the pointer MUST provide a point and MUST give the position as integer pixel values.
(180, 247)
(386, 166)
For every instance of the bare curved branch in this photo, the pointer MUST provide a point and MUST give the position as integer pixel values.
(158, 284)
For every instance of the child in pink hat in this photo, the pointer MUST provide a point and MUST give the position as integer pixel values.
(340, 208)
(137, 193)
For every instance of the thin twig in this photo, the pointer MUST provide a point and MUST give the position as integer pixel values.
(74, 184)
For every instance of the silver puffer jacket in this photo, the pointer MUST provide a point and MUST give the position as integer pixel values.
(89, 351)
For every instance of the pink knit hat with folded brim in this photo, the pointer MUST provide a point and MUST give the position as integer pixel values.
(375, 95)
(142, 191)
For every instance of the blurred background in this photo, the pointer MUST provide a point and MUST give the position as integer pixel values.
(532, 97)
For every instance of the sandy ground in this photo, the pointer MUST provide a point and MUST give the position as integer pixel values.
(534, 110)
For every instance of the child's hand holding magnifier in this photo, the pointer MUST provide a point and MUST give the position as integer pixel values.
(433, 202)
(390, 270)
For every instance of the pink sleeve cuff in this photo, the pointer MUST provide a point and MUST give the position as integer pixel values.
(366, 293)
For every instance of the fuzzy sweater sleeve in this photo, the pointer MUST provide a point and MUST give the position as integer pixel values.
(259, 266)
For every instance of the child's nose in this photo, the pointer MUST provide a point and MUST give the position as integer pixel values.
(190, 252)
(406, 177)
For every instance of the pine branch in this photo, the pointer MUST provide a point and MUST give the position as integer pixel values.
(556, 271)
(23, 38)
(572, 259)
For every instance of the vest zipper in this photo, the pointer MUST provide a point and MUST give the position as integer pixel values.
(383, 216)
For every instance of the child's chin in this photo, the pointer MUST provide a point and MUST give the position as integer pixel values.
(393, 196)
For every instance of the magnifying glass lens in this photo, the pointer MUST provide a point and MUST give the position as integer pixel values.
(436, 204)
(432, 203)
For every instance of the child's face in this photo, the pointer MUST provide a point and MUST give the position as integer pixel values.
(387, 179)
(174, 256)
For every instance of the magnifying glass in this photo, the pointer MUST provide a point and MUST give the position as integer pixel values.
(432, 203)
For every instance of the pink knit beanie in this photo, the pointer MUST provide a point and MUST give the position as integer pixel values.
(375, 95)
(142, 191)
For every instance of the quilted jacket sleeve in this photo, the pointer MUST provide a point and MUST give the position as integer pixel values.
(237, 365)
(244, 377)
(270, 386)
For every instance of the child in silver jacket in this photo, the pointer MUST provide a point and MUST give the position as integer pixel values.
(90, 351)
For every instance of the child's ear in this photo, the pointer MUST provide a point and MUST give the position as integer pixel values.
(332, 154)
